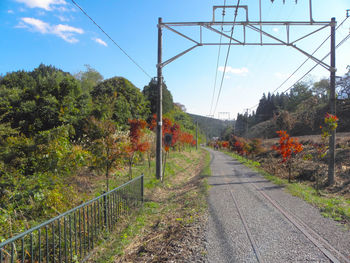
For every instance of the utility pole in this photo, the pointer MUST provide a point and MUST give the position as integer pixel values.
(249, 28)
(246, 122)
(159, 104)
(332, 106)
(196, 135)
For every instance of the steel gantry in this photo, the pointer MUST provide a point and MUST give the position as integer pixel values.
(266, 39)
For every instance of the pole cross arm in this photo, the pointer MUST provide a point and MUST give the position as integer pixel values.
(177, 32)
(223, 34)
(318, 61)
(177, 56)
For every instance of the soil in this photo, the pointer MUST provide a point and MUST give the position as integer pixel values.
(179, 234)
(305, 170)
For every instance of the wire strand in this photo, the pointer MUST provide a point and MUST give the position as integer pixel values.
(302, 64)
(115, 43)
(228, 53)
(305, 62)
(339, 44)
(218, 60)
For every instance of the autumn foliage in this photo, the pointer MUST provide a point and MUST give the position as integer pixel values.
(288, 147)
(179, 138)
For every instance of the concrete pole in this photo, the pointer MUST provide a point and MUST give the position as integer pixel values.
(159, 104)
(332, 107)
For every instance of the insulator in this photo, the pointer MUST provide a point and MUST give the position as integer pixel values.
(223, 12)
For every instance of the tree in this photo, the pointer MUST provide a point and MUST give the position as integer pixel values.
(344, 86)
(89, 78)
(129, 103)
(321, 89)
(41, 100)
(299, 93)
(151, 93)
(109, 146)
(288, 148)
(137, 142)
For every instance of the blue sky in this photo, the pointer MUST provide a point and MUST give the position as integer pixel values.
(55, 32)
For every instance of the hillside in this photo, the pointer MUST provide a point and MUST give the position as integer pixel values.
(210, 126)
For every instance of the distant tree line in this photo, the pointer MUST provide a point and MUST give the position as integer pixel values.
(304, 101)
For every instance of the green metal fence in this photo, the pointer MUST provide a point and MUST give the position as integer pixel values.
(70, 236)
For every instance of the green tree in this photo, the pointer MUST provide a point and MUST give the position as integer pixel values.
(41, 100)
(127, 103)
(151, 94)
(299, 93)
(89, 78)
(321, 89)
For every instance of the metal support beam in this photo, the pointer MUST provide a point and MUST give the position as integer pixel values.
(177, 56)
(222, 34)
(159, 105)
(258, 27)
(332, 107)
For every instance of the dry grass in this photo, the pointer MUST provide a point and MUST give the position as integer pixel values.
(170, 228)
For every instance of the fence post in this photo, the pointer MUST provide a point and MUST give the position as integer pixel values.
(142, 188)
(105, 210)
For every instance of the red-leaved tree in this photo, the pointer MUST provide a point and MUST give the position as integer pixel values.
(288, 147)
(137, 144)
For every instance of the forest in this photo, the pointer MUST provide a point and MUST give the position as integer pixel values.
(299, 111)
(57, 128)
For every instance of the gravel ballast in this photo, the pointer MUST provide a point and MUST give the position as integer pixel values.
(275, 237)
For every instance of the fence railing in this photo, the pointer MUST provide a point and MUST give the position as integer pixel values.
(70, 236)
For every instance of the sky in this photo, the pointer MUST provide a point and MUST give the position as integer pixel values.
(56, 32)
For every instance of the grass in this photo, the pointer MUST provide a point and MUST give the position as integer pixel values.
(171, 205)
(337, 208)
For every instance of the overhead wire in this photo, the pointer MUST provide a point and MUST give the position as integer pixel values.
(228, 53)
(218, 60)
(303, 101)
(307, 59)
(115, 43)
(302, 64)
(337, 46)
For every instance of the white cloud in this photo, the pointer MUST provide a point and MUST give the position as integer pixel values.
(63, 18)
(237, 71)
(100, 41)
(275, 29)
(280, 75)
(35, 24)
(48, 5)
(10, 11)
(65, 32)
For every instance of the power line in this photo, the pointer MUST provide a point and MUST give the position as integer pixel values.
(115, 43)
(339, 44)
(228, 53)
(217, 63)
(302, 64)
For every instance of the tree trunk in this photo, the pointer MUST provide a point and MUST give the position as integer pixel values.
(289, 171)
(107, 177)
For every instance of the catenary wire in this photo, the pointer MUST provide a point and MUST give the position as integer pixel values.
(302, 64)
(305, 62)
(228, 53)
(339, 44)
(218, 60)
(115, 43)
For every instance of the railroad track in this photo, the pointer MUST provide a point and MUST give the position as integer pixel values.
(323, 245)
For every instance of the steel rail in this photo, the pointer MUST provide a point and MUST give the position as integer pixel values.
(253, 244)
(249, 234)
(324, 246)
(306, 230)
